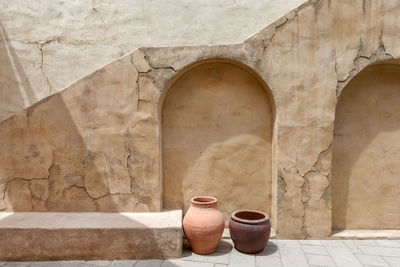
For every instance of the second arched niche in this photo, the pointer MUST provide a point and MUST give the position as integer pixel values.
(366, 151)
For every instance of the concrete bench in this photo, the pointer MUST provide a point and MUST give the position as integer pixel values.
(33, 236)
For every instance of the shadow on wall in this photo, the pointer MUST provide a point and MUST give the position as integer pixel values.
(366, 151)
(217, 134)
(77, 151)
(12, 80)
(46, 166)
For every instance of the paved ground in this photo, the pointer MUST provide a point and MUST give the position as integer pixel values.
(277, 253)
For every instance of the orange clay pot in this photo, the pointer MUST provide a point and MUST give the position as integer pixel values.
(203, 225)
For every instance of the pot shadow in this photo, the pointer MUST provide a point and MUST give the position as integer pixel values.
(270, 248)
(225, 246)
(49, 163)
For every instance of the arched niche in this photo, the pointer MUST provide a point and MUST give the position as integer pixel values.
(366, 151)
(216, 135)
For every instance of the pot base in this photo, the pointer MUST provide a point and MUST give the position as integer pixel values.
(204, 252)
(246, 251)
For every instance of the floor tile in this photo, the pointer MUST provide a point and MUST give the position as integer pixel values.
(333, 243)
(292, 256)
(371, 260)
(268, 261)
(97, 263)
(381, 251)
(18, 264)
(311, 242)
(269, 251)
(318, 250)
(181, 263)
(354, 248)
(388, 243)
(191, 256)
(44, 264)
(289, 243)
(272, 243)
(122, 263)
(71, 264)
(238, 259)
(320, 260)
(225, 245)
(342, 256)
(393, 261)
(360, 242)
(149, 263)
(217, 257)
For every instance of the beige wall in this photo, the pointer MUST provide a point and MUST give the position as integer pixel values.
(366, 151)
(216, 139)
(95, 146)
(46, 45)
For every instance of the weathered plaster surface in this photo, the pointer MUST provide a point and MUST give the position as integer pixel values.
(84, 149)
(48, 236)
(86, 139)
(365, 180)
(46, 45)
(217, 134)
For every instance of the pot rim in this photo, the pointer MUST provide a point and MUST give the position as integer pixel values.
(247, 221)
(203, 200)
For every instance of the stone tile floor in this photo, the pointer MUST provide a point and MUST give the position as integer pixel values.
(297, 253)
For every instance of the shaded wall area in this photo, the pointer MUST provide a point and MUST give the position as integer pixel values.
(15, 89)
(82, 150)
(366, 151)
(216, 139)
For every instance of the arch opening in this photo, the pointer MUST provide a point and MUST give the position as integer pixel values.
(216, 137)
(366, 151)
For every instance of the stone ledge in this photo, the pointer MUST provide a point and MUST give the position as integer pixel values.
(366, 234)
(32, 236)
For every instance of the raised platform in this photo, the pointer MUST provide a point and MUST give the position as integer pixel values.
(366, 234)
(33, 236)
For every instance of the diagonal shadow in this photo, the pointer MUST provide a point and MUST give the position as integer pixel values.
(12, 79)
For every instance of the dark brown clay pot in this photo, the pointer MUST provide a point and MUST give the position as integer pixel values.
(203, 225)
(250, 230)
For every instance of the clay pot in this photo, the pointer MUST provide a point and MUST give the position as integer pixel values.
(203, 225)
(250, 230)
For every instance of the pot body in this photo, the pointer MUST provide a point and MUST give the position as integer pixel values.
(250, 236)
(203, 225)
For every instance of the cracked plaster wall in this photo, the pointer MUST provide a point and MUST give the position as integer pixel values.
(103, 132)
(365, 178)
(47, 45)
(216, 134)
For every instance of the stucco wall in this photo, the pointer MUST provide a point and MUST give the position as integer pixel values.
(46, 45)
(366, 151)
(97, 143)
(216, 139)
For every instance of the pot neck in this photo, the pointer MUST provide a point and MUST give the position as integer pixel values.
(204, 205)
(204, 202)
